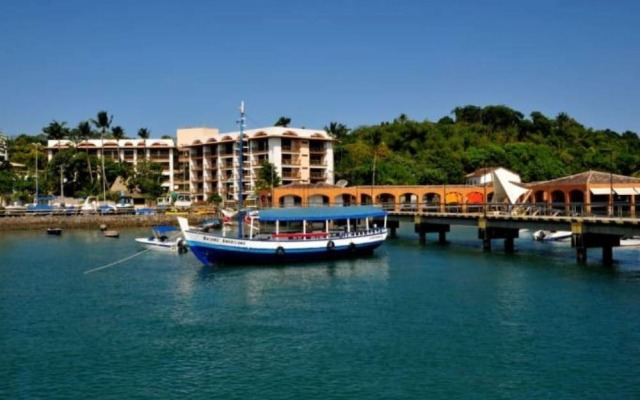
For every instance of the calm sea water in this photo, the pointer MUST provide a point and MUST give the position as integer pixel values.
(412, 322)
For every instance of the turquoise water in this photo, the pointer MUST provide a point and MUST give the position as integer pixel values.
(412, 322)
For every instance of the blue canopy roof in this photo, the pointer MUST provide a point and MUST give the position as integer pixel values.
(320, 213)
(164, 229)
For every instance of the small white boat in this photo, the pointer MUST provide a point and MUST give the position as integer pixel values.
(630, 241)
(125, 205)
(159, 240)
(111, 234)
(551, 236)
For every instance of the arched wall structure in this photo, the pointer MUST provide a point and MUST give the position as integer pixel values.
(589, 193)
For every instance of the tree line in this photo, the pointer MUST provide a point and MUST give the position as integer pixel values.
(538, 148)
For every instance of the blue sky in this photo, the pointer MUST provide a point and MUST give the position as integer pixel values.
(170, 64)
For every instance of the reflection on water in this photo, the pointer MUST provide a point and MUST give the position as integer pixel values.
(259, 279)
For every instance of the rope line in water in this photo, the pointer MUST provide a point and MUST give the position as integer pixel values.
(116, 262)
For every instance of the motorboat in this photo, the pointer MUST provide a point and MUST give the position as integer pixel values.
(54, 231)
(15, 209)
(551, 236)
(92, 205)
(42, 206)
(630, 241)
(125, 205)
(163, 238)
(292, 235)
(209, 225)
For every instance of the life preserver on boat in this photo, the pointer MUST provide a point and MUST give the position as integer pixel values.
(352, 247)
(280, 251)
(330, 245)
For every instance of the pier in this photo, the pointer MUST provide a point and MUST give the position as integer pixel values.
(586, 232)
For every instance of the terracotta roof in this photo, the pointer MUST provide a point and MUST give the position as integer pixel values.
(589, 178)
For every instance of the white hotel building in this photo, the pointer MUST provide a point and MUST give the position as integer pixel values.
(299, 156)
(204, 161)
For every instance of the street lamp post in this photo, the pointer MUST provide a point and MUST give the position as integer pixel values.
(484, 187)
(37, 149)
(444, 195)
(610, 182)
(61, 182)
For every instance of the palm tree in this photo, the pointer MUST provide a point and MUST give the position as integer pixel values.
(283, 122)
(376, 141)
(84, 133)
(56, 131)
(103, 122)
(144, 134)
(338, 132)
(118, 133)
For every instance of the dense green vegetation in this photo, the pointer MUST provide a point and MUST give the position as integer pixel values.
(402, 151)
(538, 148)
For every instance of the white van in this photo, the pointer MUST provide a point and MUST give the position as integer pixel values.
(182, 201)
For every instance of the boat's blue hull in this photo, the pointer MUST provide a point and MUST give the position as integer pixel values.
(212, 255)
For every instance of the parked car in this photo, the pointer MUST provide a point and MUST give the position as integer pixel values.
(163, 204)
(182, 201)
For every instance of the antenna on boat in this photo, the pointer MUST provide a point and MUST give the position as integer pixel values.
(240, 167)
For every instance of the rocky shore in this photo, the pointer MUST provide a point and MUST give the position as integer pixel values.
(92, 221)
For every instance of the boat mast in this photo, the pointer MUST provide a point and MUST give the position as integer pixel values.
(240, 167)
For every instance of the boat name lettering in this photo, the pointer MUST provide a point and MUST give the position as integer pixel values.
(223, 240)
(234, 242)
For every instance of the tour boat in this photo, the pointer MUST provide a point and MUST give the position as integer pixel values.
(160, 241)
(283, 235)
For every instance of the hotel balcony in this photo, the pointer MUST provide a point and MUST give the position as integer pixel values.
(290, 149)
(317, 163)
(289, 161)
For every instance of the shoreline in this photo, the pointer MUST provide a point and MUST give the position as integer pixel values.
(31, 222)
